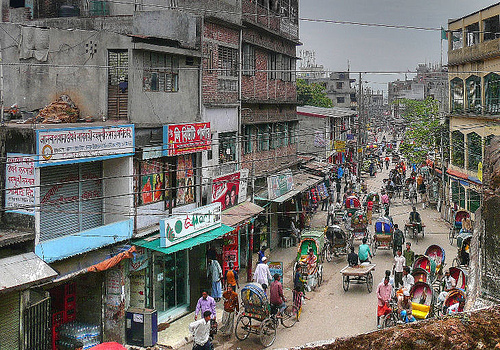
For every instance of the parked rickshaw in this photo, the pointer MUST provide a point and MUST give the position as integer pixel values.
(375, 198)
(384, 230)
(359, 226)
(337, 242)
(352, 204)
(460, 276)
(420, 275)
(314, 240)
(422, 300)
(426, 263)
(259, 317)
(457, 224)
(437, 254)
(453, 297)
(463, 250)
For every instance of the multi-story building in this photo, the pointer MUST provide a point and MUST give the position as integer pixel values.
(339, 87)
(473, 57)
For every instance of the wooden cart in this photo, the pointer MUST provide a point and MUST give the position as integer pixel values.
(358, 274)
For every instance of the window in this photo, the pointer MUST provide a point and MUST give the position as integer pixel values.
(248, 60)
(457, 95)
(458, 194)
(339, 85)
(456, 40)
(287, 66)
(457, 151)
(272, 66)
(474, 150)
(247, 139)
(488, 139)
(227, 147)
(353, 98)
(340, 99)
(228, 69)
(161, 72)
(473, 84)
(492, 93)
(474, 200)
(294, 134)
(472, 34)
(491, 28)
(264, 137)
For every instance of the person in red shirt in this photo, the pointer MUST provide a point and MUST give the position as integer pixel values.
(276, 296)
(369, 211)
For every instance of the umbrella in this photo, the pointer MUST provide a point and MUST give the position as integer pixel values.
(109, 346)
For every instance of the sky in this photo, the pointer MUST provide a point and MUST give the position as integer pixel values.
(379, 49)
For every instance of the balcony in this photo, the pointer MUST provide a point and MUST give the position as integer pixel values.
(485, 50)
(265, 18)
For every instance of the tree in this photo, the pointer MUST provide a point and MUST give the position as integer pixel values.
(312, 94)
(423, 129)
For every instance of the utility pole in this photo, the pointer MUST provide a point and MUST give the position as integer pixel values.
(359, 156)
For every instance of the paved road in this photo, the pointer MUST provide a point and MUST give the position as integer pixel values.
(331, 312)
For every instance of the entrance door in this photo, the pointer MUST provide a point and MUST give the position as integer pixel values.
(117, 84)
(37, 325)
(170, 281)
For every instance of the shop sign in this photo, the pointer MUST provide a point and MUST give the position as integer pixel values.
(319, 139)
(480, 171)
(179, 228)
(322, 190)
(19, 183)
(276, 267)
(152, 152)
(71, 145)
(186, 138)
(230, 189)
(339, 146)
(278, 185)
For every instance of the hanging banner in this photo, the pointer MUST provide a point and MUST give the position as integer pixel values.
(480, 171)
(186, 138)
(230, 189)
(339, 146)
(278, 185)
(20, 183)
(176, 229)
(60, 146)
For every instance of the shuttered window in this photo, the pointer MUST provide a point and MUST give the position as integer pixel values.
(117, 84)
(9, 321)
(70, 199)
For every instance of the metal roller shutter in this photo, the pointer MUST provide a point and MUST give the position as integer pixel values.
(9, 321)
(91, 194)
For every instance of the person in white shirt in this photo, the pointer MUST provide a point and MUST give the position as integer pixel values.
(201, 332)
(448, 284)
(408, 280)
(262, 274)
(397, 267)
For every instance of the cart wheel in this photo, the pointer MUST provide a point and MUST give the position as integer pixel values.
(374, 247)
(328, 253)
(390, 320)
(267, 332)
(320, 275)
(369, 282)
(290, 317)
(243, 327)
(345, 283)
(451, 236)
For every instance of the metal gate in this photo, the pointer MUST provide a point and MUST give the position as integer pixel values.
(9, 321)
(37, 326)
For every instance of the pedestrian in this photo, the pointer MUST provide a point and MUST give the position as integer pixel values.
(409, 255)
(214, 274)
(352, 258)
(205, 303)
(397, 267)
(261, 253)
(385, 203)
(324, 203)
(201, 332)
(340, 173)
(276, 297)
(408, 279)
(423, 194)
(231, 304)
(262, 274)
(398, 240)
(369, 211)
(231, 277)
(384, 293)
(338, 186)
(331, 213)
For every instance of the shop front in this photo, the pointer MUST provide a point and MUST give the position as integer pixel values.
(169, 272)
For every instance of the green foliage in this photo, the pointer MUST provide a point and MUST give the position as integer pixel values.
(312, 94)
(423, 130)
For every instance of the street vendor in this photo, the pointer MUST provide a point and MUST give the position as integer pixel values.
(447, 285)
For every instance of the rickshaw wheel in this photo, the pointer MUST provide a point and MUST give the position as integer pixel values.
(328, 252)
(289, 317)
(451, 236)
(267, 332)
(374, 247)
(243, 327)
(369, 282)
(320, 275)
(345, 283)
(455, 262)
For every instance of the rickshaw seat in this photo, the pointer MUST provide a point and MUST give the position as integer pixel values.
(420, 311)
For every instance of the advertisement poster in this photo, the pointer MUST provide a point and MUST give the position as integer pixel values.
(19, 183)
(231, 189)
(186, 138)
(278, 185)
(152, 181)
(185, 180)
(276, 267)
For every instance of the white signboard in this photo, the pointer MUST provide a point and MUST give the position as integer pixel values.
(176, 229)
(57, 146)
(20, 183)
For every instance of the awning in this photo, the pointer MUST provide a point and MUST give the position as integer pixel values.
(457, 174)
(189, 243)
(318, 166)
(301, 183)
(23, 270)
(113, 261)
(240, 213)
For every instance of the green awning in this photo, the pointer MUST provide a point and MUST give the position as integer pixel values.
(189, 243)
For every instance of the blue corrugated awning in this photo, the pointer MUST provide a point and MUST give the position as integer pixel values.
(189, 243)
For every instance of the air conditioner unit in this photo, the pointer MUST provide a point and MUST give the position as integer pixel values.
(141, 327)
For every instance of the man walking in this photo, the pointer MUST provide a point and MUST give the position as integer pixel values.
(409, 255)
(201, 332)
(398, 265)
(214, 273)
(398, 240)
(331, 213)
(230, 305)
(205, 303)
(262, 274)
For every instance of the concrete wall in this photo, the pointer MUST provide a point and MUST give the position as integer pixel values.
(309, 127)
(117, 189)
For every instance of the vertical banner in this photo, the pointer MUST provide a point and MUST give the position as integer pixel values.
(19, 183)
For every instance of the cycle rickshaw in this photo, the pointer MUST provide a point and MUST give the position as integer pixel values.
(459, 216)
(315, 241)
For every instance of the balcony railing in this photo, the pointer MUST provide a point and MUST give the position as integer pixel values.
(481, 51)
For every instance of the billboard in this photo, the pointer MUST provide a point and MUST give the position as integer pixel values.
(230, 189)
(186, 138)
(279, 184)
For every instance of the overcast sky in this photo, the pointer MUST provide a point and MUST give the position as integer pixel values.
(379, 49)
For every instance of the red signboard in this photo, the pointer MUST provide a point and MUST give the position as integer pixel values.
(230, 189)
(186, 138)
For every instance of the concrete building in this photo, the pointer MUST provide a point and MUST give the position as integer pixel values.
(473, 97)
(339, 87)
